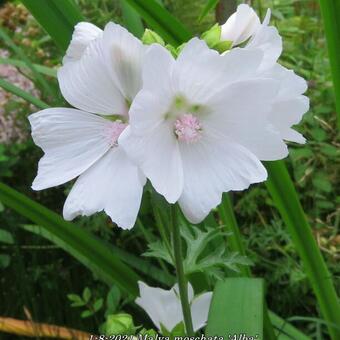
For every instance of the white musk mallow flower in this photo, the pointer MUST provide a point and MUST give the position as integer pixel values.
(289, 104)
(199, 127)
(100, 76)
(165, 310)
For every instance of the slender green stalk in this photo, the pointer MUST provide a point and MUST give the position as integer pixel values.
(330, 10)
(181, 279)
(23, 94)
(282, 190)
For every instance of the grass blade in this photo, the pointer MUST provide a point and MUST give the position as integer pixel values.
(57, 17)
(160, 20)
(20, 53)
(132, 20)
(270, 319)
(88, 249)
(211, 4)
(286, 200)
(330, 10)
(47, 71)
(237, 308)
(22, 94)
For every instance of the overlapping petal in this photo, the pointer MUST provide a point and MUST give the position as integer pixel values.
(241, 25)
(72, 141)
(113, 184)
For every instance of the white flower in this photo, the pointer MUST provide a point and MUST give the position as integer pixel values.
(102, 79)
(289, 104)
(164, 306)
(241, 25)
(198, 123)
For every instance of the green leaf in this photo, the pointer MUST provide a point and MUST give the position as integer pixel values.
(81, 244)
(22, 94)
(87, 294)
(6, 237)
(330, 10)
(86, 313)
(160, 20)
(287, 202)
(112, 300)
(211, 4)
(237, 308)
(98, 304)
(57, 17)
(77, 301)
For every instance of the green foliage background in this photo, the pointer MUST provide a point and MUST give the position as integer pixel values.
(41, 277)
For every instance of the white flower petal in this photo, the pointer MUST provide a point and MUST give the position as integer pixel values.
(269, 41)
(87, 85)
(113, 185)
(199, 71)
(72, 140)
(156, 153)
(152, 103)
(162, 306)
(291, 85)
(200, 309)
(241, 25)
(286, 113)
(212, 166)
(289, 104)
(190, 291)
(83, 34)
(244, 118)
(123, 54)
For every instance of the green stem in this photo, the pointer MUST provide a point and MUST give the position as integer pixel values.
(182, 281)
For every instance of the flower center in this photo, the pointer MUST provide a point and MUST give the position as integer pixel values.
(188, 128)
(114, 130)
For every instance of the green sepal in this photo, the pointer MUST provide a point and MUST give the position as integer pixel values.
(150, 37)
(178, 330)
(172, 50)
(213, 36)
(223, 46)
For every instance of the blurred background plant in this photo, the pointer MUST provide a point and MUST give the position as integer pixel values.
(39, 276)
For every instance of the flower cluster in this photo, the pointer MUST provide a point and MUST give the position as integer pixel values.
(196, 124)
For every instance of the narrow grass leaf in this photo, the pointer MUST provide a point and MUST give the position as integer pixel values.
(286, 200)
(236, 309)
(22, 94)
(57, 17)
(210, 5)
(271, 321)
(330, 10)
(80, 243)
(47, 71)
(38, 78)
(132, 20)
(160, 20)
